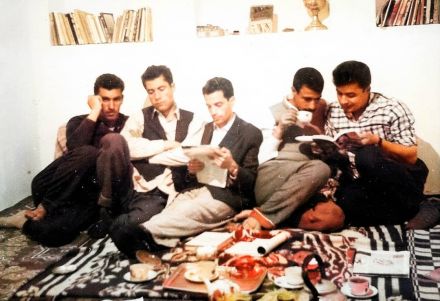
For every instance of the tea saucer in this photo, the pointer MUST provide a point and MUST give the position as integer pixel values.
(345, 289)
(151, 275)
(283, 282)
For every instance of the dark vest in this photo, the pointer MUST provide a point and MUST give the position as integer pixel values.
(153, 130)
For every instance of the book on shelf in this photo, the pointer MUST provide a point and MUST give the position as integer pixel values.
(392, 263)
(81, 27)
(211, 173)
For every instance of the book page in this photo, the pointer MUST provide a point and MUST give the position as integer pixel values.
(209, 238)
(211, 174)
(382, 263)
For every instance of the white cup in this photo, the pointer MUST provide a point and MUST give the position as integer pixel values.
(293, 275)
(359, 286)
(304, 117)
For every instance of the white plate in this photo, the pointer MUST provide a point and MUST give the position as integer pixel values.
(64, 269)
(151, 275)
(283, 282)
(304, 138)
(193, 276)
(345, 289)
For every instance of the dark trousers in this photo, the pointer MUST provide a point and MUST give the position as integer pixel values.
(387, 191)
(68, 190)
(139, 207)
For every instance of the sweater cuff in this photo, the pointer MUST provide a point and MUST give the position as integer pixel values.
(261, 219)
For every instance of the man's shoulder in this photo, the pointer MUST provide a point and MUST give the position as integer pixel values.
(248, 127)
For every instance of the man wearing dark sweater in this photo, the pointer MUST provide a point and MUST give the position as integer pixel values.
(65, 193)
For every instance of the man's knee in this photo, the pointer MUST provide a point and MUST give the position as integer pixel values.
(112, 140)
(320, 171)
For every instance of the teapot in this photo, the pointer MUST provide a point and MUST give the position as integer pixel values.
(313, 273)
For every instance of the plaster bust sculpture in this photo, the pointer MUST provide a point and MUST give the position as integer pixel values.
(318, 10)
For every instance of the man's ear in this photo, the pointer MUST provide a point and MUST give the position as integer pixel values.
(173, 87)
(232, 100)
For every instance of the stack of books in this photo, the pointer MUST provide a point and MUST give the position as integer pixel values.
(407, 12)
(80, 27)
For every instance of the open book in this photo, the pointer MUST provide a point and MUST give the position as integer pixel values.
(209, 239)
(342, 140)
(211, 174)
(395, 263)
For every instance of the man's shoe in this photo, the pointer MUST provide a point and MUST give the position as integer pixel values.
(100, 228)
(428, 215)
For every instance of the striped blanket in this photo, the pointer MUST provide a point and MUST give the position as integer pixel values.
(101, 267)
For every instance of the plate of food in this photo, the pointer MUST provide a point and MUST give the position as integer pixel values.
(199, 271)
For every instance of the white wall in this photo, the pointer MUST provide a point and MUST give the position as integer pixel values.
(405, 63)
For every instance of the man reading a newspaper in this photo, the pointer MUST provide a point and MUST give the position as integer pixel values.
(385, 179)
(199, 207)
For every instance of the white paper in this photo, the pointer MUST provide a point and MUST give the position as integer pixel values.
(209, 239)
(211, 174)
(381, 263)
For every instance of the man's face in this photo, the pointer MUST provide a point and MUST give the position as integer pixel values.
(353, 99)
(161, 94)
(306, 99)
(111, 103)
(220, 108)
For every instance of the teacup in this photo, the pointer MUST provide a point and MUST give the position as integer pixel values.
(304, 117)
(293, 275)
(359, 286)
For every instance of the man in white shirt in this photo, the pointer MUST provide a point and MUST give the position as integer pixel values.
(155, 129)
(200, 207)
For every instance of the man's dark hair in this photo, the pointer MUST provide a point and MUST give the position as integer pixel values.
(309, 77)
(108, 81)
(352, 72)
(154, 72)
(219, 84)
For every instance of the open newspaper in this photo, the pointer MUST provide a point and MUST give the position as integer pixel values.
(395, 263)
(211, 174)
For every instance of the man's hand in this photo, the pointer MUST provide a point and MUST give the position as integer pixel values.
(195, 166)
(223, 159)
(287, 119)
(95, 103)
(169, 144)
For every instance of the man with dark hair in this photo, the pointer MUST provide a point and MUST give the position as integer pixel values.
(152, 132)
(385, 185)
(288, 177)
(65, 193)
(199, 207)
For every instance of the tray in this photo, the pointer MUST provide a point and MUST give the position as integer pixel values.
(248, 283)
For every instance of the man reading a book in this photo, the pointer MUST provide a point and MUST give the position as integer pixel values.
(149, 133)
(386, 179)
(288, 176)
(200, 207)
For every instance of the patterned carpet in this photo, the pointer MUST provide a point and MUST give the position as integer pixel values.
(25, 267)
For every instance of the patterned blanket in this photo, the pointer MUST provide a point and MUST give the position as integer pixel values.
(101, 267)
